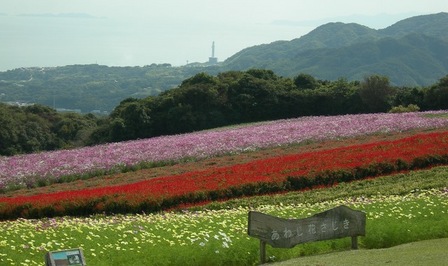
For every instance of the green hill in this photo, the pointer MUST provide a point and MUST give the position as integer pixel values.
(411, 60)
(432, 25)
(86, 88)
(411, 52)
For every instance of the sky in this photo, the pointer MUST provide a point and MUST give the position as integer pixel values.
(48, 33)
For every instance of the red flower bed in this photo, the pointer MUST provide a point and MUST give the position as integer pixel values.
(413, 152)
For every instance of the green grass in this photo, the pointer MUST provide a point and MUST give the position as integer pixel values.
(441, 115)
(400, 209)
(429, 252)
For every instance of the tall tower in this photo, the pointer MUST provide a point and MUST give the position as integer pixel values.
(213, 60)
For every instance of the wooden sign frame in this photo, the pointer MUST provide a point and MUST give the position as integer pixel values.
(278, 232)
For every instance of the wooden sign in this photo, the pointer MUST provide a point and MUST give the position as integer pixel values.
(72, 257)
(286, 233)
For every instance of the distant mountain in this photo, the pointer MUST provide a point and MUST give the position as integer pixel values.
(435, 25)
(412, 52)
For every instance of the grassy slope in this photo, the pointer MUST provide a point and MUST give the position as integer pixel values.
(398, 184)
(428, 252)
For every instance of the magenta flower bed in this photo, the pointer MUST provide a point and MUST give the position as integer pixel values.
(16, 169)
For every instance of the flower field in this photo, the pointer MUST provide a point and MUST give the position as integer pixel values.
(398, 183)
(276, 174)
(49, 167)
(218, 237)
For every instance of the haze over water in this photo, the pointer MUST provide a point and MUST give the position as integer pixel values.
(137, 33)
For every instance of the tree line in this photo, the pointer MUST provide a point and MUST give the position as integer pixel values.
(206, 101)
(37, 128)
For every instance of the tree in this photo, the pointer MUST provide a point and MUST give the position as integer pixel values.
(406, 96)
(345, 97)
(201, 78)
(253, 98)
(376, 93)
(436, 97)
(262, 74)
(305, 81)
(36, 136)
(73, 129)
(9, 129)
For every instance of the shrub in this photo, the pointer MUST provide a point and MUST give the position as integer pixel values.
(403, 109)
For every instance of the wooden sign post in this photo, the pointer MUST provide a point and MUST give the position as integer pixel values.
(286, 233)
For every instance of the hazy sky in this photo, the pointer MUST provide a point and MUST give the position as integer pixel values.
(142, 32)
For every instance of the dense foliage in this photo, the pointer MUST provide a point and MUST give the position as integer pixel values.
(205, 101)
(36, 128)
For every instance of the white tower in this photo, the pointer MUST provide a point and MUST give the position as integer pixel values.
(213, 60)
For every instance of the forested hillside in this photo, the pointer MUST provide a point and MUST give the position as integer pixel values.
(89, 88)
(412, 52)
(434, 25)
(206, 101)
(36, 128)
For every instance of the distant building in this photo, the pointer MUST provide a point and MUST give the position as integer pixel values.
(64, 110)
(19, 104)
(213, 60)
